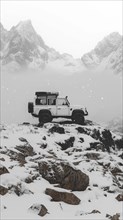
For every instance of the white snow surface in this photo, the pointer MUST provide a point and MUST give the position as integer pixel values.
(95, 197)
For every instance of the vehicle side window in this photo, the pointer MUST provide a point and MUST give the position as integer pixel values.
(62, 102)
(51, 102)
(41, 101)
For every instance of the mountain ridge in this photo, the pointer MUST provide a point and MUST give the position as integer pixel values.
(26, 49)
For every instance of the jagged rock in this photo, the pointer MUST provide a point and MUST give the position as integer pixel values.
(67, 143)
(107, 139)
(97, 146)
(114, 217)
(95, 211)
(64, 174)
(57, 129)
(26, 150)
(3, 190)
(19, 189)
(3, 170)
(39, 209)
(119, 197)
(92, 156)
(17, 156)
(43, 211)
(119, 143)
(66, 197)
(116, 171)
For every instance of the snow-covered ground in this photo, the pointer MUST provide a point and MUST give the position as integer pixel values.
(93, 150)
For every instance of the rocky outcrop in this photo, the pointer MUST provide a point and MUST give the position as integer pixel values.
(66, 176)
(26, 150)
(3, 190)
(3, 170)
(67, 143)
(66, 197)
(39, 209)
(58, 129)
(119, 197)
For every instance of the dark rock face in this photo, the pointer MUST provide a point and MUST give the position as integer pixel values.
(3, 190)
(67, 144)
(40, 209)
(63, 174)
(43, 211)
(66, 197)
(105, 138)
(119, 143)
(73, 179)
(57, 129)
(3, 170)
(26, 150)
(119, 197)
(114, 217)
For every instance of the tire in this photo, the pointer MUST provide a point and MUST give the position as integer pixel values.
(78, 118)
(44, 118)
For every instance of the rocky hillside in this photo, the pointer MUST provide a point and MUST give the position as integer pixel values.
(22, 47)
(65, 170)
(107, 53)
(116, 125)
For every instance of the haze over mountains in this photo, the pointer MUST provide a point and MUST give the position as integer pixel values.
(29, 64)
(23, 47)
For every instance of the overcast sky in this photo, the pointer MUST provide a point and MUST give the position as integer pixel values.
(73, 27)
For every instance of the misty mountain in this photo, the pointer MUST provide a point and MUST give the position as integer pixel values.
(107, 53)
(22, 47)
(116, 125)
(38, 67)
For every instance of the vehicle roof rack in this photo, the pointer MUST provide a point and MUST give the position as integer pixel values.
(46, 93)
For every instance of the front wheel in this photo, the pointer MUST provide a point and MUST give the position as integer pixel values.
(78, 119)
(44, 118)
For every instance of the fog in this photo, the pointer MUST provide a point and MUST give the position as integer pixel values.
(100, 92)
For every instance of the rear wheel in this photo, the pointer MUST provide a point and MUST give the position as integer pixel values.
(78, 119)
(44, 118)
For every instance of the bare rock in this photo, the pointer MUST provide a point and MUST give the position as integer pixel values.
(58, 129)
(66, 176)
(3, 190)
(26, 150)
(67, 143)
(39, 209)
(66, 197)
(95, 211)
(43, 211)
(3, 170)
(74, 179)
(119, 197)
(114, 217)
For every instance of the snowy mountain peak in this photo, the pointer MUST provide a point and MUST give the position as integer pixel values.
(107, 52)
(25, 27)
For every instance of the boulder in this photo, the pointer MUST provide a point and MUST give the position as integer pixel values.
(119, 197)
(3, 190)
(66, 197)
(58, 129)
(67, 143)
(39, 209)
(3, 170)
(43, 211)
(26, 150)
(66, 176)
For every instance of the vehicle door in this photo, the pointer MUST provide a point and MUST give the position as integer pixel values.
(62, 107)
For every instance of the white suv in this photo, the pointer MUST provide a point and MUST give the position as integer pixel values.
(48, 105)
